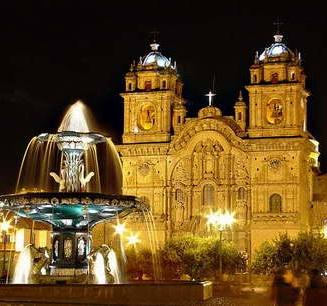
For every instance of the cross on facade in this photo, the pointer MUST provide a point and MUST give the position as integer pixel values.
(210, 95)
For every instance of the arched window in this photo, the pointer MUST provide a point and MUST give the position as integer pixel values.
(293, 76)
(208, 195)
(164, 84)
(255, 78)
(129, 86)
(241, 193)
(275, 203)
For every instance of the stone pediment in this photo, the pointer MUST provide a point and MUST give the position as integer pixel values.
(224, 126)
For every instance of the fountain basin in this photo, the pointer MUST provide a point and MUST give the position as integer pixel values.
(143, 293)
(72, 215)
(70, 209)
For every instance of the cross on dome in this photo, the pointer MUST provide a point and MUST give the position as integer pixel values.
(210, 95)
(278, 23)
(154, 45)
(278, 37)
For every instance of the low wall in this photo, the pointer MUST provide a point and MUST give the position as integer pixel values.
(161, 293)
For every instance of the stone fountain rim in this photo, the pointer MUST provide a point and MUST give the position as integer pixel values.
(81, 198)
(97, 137)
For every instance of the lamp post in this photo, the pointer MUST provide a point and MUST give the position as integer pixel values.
(4, 228)
(220, 221)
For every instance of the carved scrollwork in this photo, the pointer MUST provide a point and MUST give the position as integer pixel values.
(274, 164)
(222, 125)
(145, 168)
(182, 171)
(240, 170)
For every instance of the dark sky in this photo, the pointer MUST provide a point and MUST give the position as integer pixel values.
(54, 52)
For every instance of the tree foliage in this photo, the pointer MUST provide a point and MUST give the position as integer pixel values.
(305, 252)
(198, 257)
(138, 263)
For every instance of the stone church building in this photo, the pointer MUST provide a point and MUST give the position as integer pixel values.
(260, 163)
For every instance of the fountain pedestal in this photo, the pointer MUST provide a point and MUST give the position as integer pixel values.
(72, 216)
(69, 250)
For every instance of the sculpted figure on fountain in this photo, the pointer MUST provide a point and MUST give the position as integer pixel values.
(72, 178)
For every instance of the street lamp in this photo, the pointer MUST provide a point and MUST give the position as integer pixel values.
(120, 228)
(133, 239)
(220, 221)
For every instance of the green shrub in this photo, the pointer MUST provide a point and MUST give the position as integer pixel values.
(305, 252)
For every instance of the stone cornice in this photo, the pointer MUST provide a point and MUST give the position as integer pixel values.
(147, 149)
(144, 93)
(248, 145)
(278, 144)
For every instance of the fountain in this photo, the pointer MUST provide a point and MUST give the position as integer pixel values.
(99, 269)
(104, 265)
(23, 267)
(113, 267)
(61, 183)
(75, 207)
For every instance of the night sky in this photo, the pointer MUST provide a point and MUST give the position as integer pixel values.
(55, 52)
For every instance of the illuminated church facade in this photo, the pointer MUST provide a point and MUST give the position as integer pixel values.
(261, 163)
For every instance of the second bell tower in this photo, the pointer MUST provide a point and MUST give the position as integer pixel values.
(277, 94)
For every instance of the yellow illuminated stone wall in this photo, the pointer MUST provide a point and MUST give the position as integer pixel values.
(262, 167)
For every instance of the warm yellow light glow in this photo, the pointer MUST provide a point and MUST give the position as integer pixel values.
(324, 231)
(5, 225)
(19, 245)
(226, 219)
(75, 119)
(42, 239)
(220, 220)
(133, 239)
(213, 219)
(120, 228)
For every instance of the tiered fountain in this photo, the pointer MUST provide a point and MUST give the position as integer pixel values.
(74, 208)
(61, 183)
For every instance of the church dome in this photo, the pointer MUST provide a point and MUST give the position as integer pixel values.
(278, 51)
(209, 112)
(156, 58)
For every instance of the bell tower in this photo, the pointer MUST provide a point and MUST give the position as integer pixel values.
(153, 103)
(277, 94)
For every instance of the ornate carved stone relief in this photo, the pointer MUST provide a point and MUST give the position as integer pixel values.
(241, 171)
(144, 168)
(182, 171)
(218, 125)
(275, 164)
